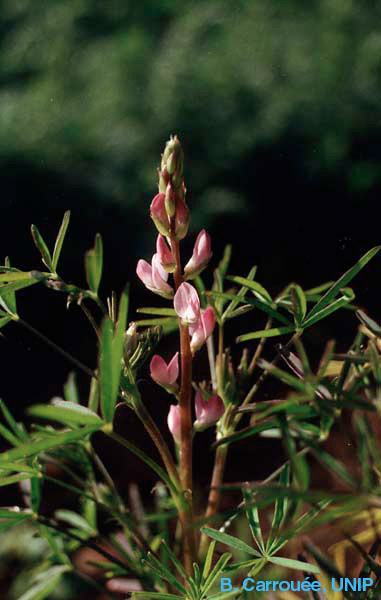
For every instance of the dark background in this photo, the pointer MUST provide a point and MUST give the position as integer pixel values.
(278, 106)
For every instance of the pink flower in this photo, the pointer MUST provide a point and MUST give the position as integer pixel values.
(181, 217)
(174, 422)
(154, 277)
(159, 214)
(187, 303)
(208, 412)
(201, 255)
(201, 330)
(163, 374)
(167, 260)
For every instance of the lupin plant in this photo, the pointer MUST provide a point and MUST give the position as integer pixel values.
(177, 551)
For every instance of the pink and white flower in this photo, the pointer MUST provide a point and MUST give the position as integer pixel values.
(187, 303)
(201, 330)
(202, 253)
(165, 374)
(174, 422)
(154, 277)
(208, 412)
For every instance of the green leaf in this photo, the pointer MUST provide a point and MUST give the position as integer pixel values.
(118, 341)
(68, 413)
(60, 239)
(16, 466)
(245, 433)
(328, 310)
(44, 588)
(94, 264)
(16, 428)
(42, 247)
(75, 520)
(230, 540)
(155, 595)
(299, 303)
(258, 290)
(208, 560)
(167, 324)
(71, 389)
(216, 571)
(177, 564)
(265, 333)
(269, 310)
(344, 280)
(333, 464)
(164, 312)
(298, 461)
(253, 518)
(164, 573)
(281, 505)
(47, 443)
(290, 563)
(7, 293)
(13, 479)
(106, 370)
(240, 296)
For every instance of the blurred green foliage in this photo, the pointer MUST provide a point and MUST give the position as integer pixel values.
(94, 88)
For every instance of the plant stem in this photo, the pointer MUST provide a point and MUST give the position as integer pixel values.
(215, 493)
(155, 434)
(186, 477)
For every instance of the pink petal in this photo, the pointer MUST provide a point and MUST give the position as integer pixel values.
(159, 370)
(174, 422)
(144, 272)
(165, 254)
(173, 369)
(187, 303)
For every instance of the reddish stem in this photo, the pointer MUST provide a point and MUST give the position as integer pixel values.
(186, 476)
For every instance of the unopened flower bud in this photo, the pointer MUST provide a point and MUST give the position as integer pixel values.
(159, 214)
(165, 254)
(181, 218)
(201, 255)
(208, 411)
(174, 422)
(170, 198)
(173, 157)
(163, 374)
(163, 179)
(187, 303)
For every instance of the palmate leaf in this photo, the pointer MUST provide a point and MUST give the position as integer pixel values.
(253, 518)
(343, 281)
(258, 290)
(240, 296)
(75, 520)
(164, 573)
(265, 333)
